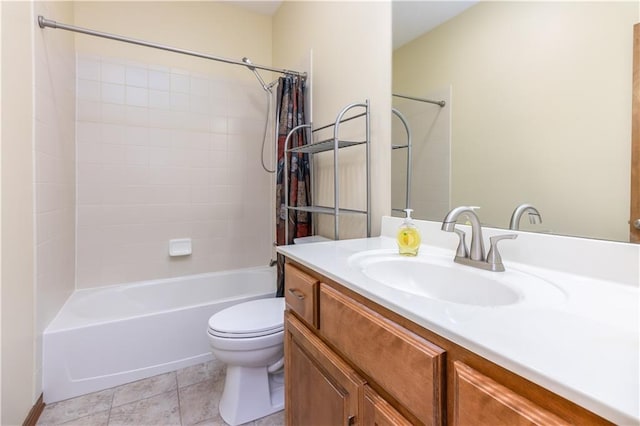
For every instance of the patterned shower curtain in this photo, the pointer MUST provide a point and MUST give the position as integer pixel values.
(291, 101)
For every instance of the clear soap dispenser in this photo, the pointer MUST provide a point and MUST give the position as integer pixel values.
(408, 236)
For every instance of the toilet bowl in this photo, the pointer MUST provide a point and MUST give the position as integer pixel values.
(249, 339)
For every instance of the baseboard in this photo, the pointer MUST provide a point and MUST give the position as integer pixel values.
(34, 414)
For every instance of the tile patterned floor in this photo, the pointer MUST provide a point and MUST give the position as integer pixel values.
(181, 398)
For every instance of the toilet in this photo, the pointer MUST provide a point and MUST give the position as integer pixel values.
(249, 339)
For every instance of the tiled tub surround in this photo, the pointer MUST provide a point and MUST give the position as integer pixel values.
(166, 153)
(585, 348)
(189, 396)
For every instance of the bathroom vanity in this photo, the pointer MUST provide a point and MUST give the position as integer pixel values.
(360, 352)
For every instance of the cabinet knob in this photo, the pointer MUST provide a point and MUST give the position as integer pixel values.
(636, 223)
(351, 420)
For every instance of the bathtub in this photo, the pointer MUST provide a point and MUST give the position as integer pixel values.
(109, 336)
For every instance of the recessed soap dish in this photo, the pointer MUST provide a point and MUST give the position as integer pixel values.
(180, 247)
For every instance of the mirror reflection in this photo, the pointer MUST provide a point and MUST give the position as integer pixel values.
(537, 112)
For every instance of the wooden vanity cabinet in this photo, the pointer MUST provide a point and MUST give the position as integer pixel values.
(349, 360)
(377, 411)
(322, 388)
(408, 367)
(480, 400)
(300, 293)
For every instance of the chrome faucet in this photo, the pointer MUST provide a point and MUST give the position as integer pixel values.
(477, 244)
(475, 256)
(534, 216)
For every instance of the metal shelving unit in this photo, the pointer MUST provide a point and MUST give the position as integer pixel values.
(334, 144)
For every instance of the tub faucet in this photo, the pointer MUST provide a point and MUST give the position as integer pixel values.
(534, 216)
(475, 255)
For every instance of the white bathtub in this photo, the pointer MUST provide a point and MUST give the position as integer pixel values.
(109, 336)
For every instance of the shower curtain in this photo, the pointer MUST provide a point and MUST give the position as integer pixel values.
(291, 101)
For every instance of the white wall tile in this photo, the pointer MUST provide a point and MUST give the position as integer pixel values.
(135, 76)
(136, 116)
(180, 83)
(136, 135)
(89, 152)
(159, 163)
(179, 101)
(113, 73)
(113, 113)
(88, 132)
(159, 99)
(88, 68)
(136, 155)
(88, 90)
(89, 111)
(113, 93)
(159, 80)
(137, 96)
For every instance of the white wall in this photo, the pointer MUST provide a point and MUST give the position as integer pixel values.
(351, 44)
(169, 145)
(559, 139)
(17, 192)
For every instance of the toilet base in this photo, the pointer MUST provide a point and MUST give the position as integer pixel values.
(250, 393)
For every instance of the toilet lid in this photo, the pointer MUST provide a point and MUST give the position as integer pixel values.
(249, 319)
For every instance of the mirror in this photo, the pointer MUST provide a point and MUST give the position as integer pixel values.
(538, 111)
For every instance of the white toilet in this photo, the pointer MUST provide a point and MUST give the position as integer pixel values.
(249, 339)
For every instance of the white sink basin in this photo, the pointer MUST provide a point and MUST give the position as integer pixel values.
(439, 278)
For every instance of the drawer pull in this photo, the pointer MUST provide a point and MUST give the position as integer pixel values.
(296, 293)
(351, 420)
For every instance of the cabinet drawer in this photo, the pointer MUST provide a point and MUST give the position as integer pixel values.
(478, 400)
(300, 290)
(407, 366)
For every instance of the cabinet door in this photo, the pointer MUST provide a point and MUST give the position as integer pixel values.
(320, 389)
(402, 363)
(378, 412)
(478, 400)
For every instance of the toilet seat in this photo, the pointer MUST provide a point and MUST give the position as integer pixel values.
(256, 318)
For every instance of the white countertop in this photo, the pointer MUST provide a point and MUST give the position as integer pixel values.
(583, 346)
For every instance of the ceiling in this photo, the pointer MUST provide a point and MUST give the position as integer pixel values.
(411, 18)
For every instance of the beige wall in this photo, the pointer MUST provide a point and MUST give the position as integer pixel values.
(559, 139)
(55, 148)
(430, 128)
(18, 309)
(351, 45)
(0, 222)
(214, 28)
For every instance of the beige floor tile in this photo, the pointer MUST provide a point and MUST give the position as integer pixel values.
(75, 408)
(198, 373)
(217, 421)
(98, 419)
(159, 410)
(144, 388)
(199, 402)
(275, 419)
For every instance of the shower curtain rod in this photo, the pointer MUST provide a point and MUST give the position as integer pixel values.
(429, 101)
(43, 22)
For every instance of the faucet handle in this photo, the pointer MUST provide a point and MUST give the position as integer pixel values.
(493, 258)
(461, 251)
